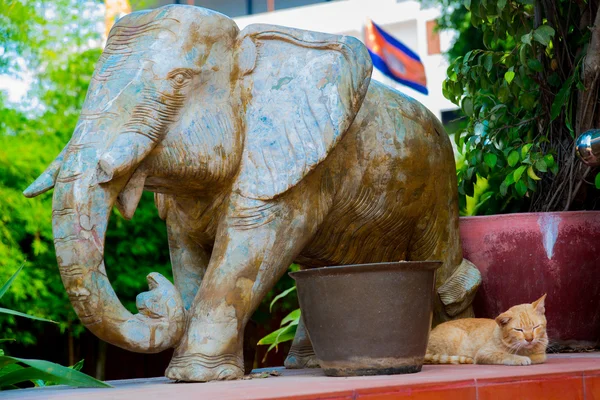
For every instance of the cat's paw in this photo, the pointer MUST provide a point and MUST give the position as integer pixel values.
(517, 360)
(538, 358)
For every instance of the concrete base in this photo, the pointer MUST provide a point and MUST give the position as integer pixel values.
(564, 376)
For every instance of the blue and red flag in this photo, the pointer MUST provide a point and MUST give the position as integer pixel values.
(394, 59)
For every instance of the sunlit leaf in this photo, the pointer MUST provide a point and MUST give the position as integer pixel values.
(6, 286)
(525, 149)
(513, 158)
(483, 199)
(281, 295)
(47, 371)
(531, 174)
(20, 314)
(509, 76)
(276, 336)
(519, 172)
(293, 317)
(10, 368)
(78, 365)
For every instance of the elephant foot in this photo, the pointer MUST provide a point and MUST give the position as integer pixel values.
(202, 368)
(301, 357)
(458, 292)
(302, 354)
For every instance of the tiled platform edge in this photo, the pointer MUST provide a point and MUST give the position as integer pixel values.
(563, 377)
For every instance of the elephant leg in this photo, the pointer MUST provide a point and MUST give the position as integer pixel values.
(253, 249)
(458, 291)
(457, 280)
(301, 353)
(189, 261)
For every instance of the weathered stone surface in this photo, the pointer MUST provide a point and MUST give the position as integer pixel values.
(263, 146)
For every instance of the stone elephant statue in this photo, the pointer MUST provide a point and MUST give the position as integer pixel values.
(264, 147)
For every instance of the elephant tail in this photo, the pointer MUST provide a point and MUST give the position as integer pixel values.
(446, 359)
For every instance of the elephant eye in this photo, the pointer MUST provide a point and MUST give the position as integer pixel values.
(179, 78)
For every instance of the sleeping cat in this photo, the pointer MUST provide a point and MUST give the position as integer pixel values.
(516, 337)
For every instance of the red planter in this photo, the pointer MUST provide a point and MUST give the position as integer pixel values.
(523, 256)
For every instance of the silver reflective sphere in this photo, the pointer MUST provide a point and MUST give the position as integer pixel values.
(587, 147)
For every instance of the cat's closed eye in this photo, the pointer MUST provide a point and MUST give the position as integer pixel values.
(518, 330)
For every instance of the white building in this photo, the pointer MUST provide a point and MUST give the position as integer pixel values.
(405, 20)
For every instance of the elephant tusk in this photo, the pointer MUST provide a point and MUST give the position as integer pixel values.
(47, 179)
(130, 196)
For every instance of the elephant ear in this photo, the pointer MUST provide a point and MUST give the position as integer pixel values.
(303, 90)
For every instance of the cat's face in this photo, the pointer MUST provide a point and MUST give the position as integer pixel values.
(524, 326)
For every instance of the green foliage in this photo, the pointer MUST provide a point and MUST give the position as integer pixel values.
(17, 32)
(14, 371)
(32, 133)
(5, 288)
(39, 372)
(280, 296)
(288, 324)
(516, 97)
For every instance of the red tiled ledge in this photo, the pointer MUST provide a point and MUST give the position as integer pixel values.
(564, 376)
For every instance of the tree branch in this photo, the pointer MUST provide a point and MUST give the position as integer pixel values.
(589, 75)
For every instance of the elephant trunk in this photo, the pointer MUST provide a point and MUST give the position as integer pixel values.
(81, 209)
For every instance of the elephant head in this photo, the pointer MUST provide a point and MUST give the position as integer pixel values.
(181, 101)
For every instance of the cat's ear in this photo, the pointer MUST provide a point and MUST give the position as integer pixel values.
(503, 319)
(539, 305)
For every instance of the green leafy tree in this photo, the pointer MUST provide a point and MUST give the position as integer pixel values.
(58, 43)
(527, 93)
(16, 371)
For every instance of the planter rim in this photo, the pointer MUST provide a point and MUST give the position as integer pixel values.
(370, 267)
(533, 214)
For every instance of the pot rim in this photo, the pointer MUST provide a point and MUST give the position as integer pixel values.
(369, 267)
(531, 214)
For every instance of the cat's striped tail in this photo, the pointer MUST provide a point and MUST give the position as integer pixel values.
(445, 359)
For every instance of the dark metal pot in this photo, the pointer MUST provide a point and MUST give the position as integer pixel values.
(368, 319)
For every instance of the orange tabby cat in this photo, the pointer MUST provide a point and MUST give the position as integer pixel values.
(517, 337)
